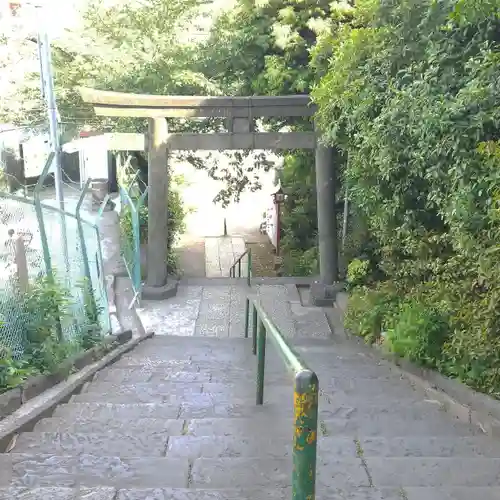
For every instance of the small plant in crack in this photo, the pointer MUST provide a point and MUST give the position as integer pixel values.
(323, 429)
(361, 455)
(359, 448)
(402, 494)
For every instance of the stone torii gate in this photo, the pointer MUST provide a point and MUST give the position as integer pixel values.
(240, 114)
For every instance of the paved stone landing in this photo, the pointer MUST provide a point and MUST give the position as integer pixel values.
(176, 419)
(221, 253)
(218, 311)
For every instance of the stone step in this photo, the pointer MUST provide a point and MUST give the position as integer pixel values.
(332, 427)
(100, 421)
(362, 493)
(460, 493)
(186, 410)
(428, 446)
(92, 425)
(129, 444)
(157, 444)
(29, 470)
(284, 397)
(107, 493)
(33, 470)
(156, 375)
(434, 472)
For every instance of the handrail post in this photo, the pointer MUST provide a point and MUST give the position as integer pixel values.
(249, 267)
(239, 267)
(247, 313)
(261, 362)
(254, 329)
(305, 435)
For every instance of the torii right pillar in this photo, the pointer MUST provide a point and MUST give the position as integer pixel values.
(324, 291)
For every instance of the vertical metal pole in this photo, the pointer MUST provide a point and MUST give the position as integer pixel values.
(47, 78)
(305, 435)
(247, 313)
(254, 329)
(261, 362)
(249, 268)
(278, 228)
(239, 268)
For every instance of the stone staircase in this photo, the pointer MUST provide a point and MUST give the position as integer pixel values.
(175, 419)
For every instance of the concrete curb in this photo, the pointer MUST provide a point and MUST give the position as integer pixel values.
(41, 406)
(462, 402)
(12, 400)
(116, 325)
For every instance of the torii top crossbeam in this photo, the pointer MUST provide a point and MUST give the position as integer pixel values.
(108, 103)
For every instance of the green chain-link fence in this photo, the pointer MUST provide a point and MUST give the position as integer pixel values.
(62, 250)
(133, 216)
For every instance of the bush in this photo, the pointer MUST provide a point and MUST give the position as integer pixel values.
(370, 310)
(418, 333)
(175, 224)
(357, 272)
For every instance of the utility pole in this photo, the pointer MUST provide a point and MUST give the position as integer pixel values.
(47, 89)
(50, 99)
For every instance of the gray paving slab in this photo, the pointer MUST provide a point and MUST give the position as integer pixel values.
(58, 493)
(362, 493)
(434, 472)
(102, 425)
(206, 327)
(390, 427)
(257, 472)
(430, 446)
(207, 494)
(461, 493)
(251, 447)
(128, 412)
(248, 398)
(130, 444)
(89, 470)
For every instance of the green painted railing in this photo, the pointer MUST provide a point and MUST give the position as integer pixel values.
(305, 398)
(238, 264)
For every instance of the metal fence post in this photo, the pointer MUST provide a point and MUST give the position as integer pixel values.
(137, 239)
(39, 215)
(83, 245)
(43, 233)
(254, 329)
(305, 435)
(261, 362)
(247, 313)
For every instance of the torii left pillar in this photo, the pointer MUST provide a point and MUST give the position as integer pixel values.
(157, 283)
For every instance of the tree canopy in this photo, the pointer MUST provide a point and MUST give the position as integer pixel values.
(408, 92)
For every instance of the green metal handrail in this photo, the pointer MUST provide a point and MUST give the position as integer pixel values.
(237, 262)
(305, 398)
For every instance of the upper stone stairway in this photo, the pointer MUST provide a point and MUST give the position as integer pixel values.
(176, 419)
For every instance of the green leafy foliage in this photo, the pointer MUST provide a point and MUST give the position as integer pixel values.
(418, 333)
(175, 223)
(412, 98)
(40, 315)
